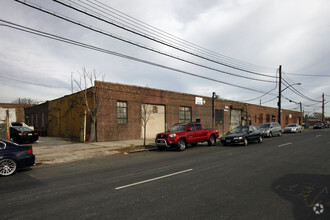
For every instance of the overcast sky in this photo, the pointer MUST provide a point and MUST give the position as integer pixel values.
(253, 35)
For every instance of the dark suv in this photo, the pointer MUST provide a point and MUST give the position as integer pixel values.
(270, 129)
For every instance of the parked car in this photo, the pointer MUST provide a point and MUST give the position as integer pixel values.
(326, 124)
(270, 129)
(292, 128)
(21, 124)
(186, 133)
(318, 125)
(21, 134)
(14, 156)
(242, 135)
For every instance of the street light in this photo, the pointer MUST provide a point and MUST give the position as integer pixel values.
(279, 99)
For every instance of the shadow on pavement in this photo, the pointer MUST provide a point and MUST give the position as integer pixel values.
(308, 194)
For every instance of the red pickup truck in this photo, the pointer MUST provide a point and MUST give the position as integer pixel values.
(186, 133)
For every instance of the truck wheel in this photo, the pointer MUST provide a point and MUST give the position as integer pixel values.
(212, 140)
(181, 145)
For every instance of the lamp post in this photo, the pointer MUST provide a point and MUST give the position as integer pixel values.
(280, 95)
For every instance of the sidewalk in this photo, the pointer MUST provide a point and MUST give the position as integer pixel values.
(52, 150)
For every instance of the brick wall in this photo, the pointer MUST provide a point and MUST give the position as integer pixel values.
(109, 93)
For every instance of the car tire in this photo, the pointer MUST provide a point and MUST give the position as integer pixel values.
(212, 140)
(181, 145)
(260, 139)
(7, 167)
(279, 133)
(245, 143)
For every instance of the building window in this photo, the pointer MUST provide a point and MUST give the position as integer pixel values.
(267, 117)
(184, 114)
(121, 112)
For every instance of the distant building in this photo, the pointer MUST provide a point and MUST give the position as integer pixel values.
(15, 114)
(120, 109)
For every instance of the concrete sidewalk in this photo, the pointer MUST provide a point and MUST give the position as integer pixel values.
(52, 150)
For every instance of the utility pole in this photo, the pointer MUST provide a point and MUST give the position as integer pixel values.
(302, 113)
(323, 107)
(213, 97)
(279, 95)
(7, 123)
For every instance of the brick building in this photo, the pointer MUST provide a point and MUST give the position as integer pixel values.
(120, 111)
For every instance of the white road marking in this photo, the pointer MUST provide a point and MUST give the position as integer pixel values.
(282, 145)
(318, 135)
(153, 179)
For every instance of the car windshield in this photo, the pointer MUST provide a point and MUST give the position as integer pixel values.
(179, 127)
(264, 126)
(240, 129)
(292, 125)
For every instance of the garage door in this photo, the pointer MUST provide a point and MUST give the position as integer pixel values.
(156, 123)
(235, 118)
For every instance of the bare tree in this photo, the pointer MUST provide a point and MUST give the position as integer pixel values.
(93, 108)
(147, 111)
(26, 101)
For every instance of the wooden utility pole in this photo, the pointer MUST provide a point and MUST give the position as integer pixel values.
(323, 107)
(7, 120)
(279, 95)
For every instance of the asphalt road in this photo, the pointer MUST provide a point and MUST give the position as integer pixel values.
(284, 177)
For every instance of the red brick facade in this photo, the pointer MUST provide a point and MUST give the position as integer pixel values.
(66, 114)
(108, 129)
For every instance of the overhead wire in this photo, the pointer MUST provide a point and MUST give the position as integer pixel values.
(77, 43)
(155, 40)
(265, 93)
(298, 92)
(31, 83)
(129, 20)
(137, 44)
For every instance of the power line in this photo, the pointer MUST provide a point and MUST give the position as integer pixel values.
(135, 23)
(154, 39)
(314, 75)
(139, 45)
(263, 94)
(297, 92)
(77, 43)
(32, 83)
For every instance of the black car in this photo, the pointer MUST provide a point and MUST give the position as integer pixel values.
(21, 134)
(242, 135)
(319, 125)
(14, 156)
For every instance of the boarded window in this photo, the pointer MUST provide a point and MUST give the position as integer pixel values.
(184, 114)
(121, 112)
(219, 114)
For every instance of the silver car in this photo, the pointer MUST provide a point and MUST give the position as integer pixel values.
(292, 128)
(270, 129)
